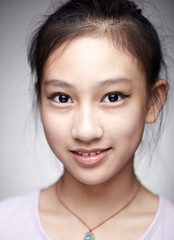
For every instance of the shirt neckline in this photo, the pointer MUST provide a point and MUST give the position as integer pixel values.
(155, 222)
(146, 235)
(39, 226)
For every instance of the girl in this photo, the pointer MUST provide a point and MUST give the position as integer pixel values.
(97, 66)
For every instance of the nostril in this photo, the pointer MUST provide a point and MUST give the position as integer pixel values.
(86, 134)
(86, 125)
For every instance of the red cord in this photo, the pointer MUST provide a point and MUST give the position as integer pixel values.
(113, 215)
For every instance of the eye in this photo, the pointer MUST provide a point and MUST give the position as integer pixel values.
(114, 97)
(60, 98)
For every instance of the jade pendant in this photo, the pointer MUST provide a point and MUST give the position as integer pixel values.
(89, 236)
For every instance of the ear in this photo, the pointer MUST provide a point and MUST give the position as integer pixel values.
(157, 100)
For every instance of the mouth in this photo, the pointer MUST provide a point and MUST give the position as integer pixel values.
(90, 157)
(88, 154)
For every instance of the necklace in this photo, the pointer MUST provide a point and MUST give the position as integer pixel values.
(89, 235)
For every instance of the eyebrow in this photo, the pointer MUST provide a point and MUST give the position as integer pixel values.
(64, 84)
(115, 81)
(58, 83)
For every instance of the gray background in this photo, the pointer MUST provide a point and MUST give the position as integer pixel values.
(26, 162)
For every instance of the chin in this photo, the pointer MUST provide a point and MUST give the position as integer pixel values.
(93, 179)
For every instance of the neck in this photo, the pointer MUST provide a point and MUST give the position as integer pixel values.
(107, 196)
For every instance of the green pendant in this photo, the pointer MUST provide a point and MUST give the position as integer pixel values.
(89, 236)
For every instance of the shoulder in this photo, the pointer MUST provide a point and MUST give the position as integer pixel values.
(18, 213)
(19, 205)
(162, 226)
(18, 199)
(165, 216)
(167, 209)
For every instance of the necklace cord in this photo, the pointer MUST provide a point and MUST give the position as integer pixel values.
(107, 219)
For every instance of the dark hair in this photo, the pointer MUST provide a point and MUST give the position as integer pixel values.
(120, 20)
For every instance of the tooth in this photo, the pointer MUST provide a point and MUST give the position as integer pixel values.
(92, 154)
(85, 154)
(88, 154)
(79, 153)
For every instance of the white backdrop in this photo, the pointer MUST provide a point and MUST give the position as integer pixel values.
(25, 159)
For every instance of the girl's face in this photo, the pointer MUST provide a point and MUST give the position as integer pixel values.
(93, 108)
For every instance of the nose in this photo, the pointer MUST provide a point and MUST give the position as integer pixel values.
(86, 125)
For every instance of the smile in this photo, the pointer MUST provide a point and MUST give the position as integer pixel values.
(88, 154)
(90, 157)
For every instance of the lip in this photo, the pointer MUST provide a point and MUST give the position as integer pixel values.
(90, 160)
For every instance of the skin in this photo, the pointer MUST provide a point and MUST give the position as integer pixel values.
(87, 70)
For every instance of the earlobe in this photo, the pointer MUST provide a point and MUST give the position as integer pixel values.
(157, 101)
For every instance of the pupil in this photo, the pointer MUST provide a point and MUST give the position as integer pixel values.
(113, 98)
(63, 98)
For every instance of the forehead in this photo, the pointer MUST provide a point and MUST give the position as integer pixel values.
(91, 59)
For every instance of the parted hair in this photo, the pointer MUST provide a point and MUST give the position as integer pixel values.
(119, 20)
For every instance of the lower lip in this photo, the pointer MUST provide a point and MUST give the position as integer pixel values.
(90, 160)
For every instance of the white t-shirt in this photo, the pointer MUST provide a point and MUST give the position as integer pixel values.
(19, 220)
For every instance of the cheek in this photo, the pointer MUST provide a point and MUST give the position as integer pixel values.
(126, 130)
(132, 132)
(54, 128)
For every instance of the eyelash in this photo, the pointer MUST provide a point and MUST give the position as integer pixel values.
(119, 96)
(64, 98)
(67, 99)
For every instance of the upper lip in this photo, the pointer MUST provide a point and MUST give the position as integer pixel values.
(84, 150)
